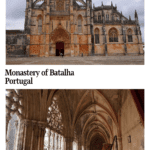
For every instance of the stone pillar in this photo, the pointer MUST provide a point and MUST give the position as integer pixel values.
(64, 142)
(8, 117)
(41, 135)
(16, 134)
(72, 28)
(49, 138)
(27, 135)
(119, 143)
(105, 38)
(57, 139)
(35, 134)
(9, 100)
(60, 142)
(31, 135)
(44, 34)
(79, 145)
(69, 143)
(28, 13)
(53, 141)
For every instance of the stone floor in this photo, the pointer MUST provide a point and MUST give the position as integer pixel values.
(86, 60)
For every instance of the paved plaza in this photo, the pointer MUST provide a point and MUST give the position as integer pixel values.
(86, 60)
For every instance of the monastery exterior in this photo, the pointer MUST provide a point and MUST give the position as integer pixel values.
(74, 28)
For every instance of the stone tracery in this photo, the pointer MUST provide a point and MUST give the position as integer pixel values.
(44, 124)
(54, 117)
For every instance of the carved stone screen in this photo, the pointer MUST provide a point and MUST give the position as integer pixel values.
(60, 5)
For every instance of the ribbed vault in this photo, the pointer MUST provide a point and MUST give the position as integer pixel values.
(85, 117)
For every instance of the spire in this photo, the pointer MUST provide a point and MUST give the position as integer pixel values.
(102, 12)
(93, 5)
(129, 17)
(121, 15)
(111, 3)
(136, 15)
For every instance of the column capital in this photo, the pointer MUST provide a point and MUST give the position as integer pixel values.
(42, 125)
(26, 122)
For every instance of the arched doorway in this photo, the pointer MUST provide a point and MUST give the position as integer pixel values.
(97, 143)
(59, 48)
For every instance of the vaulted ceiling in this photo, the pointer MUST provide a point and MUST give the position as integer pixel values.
(86, 114)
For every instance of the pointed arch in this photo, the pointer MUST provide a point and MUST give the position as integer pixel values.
(60, 34)
(78, 106)
(40, 23)
(96, 31)
(113, 35)
(129, 33)
(80, 20)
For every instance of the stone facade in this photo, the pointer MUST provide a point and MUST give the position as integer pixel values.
(74, 120)
(54, 27)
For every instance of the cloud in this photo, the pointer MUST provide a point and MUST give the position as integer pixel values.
(15, 11)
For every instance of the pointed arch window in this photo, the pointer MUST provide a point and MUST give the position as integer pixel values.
(99, 17)
(97, 36)
(40, 25)
(13, 115)
(113, 35)
(53, 137)
(130, 39)
(107, 17)
(54, 117)
(95, 18)
(79, 24)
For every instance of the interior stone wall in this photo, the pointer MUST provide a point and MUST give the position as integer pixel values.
(131, 126)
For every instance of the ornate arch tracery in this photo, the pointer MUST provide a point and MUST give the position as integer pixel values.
(113, 35)
(129, 33)
(54, 117)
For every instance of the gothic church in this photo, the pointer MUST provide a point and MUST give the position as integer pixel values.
(74, 28)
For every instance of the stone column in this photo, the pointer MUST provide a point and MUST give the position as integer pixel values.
(27, 134)
(119, 143)
(9, 100)
(88, 18)
(79, 145)
(64, 144)
(49, 138)
(57, 138)
(8, 117)
(31, 135)
(69, 142)
(53, 141)
(72, 28)
(105, 38)
(20, 136)
(42, 127)
(16, 135)
(28, 14)
(60, 142)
